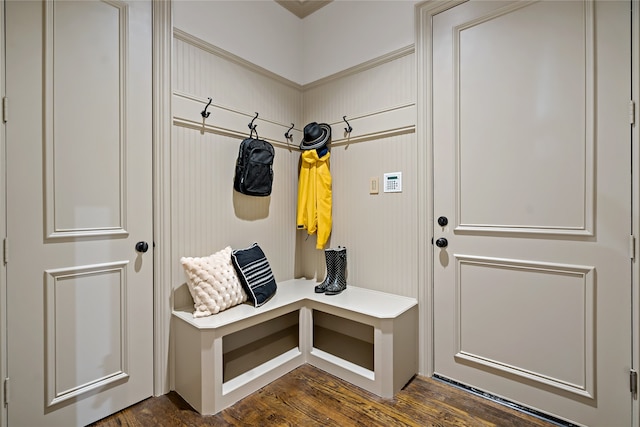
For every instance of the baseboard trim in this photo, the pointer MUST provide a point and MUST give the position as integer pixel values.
(534, 413)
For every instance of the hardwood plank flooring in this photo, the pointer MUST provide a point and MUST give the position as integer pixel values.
(308, 396)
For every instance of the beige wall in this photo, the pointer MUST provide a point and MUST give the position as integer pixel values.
(378, 99)
(340, 35)
(379, 231)
(207, 214)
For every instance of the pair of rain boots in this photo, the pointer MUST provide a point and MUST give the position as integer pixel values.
(336, 279)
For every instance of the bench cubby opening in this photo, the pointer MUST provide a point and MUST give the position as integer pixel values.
(249, 348)
(344, 338)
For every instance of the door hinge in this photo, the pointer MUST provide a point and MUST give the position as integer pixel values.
(5, 109)
(633, 383)
(5, 250)
(6, 391)
(632, 112)
(632, 247)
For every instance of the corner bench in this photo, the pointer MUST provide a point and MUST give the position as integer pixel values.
(365, 337)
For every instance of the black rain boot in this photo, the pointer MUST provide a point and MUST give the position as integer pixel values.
(330, 259)
(340, 282)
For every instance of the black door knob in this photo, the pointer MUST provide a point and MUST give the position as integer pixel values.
(142, 247)
(442, 242)
(442, 221)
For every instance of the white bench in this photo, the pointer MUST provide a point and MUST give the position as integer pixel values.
(365, 337)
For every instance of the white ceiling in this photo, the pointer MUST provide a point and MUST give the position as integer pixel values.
(302, 8)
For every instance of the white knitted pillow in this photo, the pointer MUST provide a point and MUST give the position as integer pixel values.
(213, 283)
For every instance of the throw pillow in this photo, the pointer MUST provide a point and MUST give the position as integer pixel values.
(255, 274)
(213, 283)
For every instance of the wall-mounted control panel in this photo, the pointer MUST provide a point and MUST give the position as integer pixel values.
(392, 182)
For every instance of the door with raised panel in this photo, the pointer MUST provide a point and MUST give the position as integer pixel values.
(532, 149)
(78, 161)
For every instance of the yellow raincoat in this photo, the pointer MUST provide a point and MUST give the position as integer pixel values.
(314, 196)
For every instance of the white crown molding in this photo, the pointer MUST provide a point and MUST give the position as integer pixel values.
(302, 8)
(373, 63)
(214, 50)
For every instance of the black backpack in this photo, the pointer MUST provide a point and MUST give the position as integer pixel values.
(254, 168)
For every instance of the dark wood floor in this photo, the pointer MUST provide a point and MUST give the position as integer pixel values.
(308, 396)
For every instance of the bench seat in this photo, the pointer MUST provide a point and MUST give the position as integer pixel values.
(389, 323)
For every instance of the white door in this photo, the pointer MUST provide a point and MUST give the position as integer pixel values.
(532, 169)
(78, 160)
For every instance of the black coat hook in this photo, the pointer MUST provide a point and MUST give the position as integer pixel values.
(348, 129)
(287, 135)
(204, 112)
(251, 125)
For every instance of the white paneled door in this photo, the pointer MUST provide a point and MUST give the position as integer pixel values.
(532, 171)
(78, 161)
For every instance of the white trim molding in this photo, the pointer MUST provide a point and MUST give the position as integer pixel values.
(3, 230)
(424, 53)
(635, 197)
(162, 48)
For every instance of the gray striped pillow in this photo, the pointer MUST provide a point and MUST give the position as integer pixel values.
(254, 273)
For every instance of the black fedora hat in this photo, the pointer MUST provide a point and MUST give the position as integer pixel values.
(315, 136)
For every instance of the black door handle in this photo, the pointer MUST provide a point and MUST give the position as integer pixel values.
(442, 242)
(142, 247)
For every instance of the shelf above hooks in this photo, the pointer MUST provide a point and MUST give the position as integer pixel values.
(228, 121)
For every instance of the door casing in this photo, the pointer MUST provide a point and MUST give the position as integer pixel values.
(3, 232)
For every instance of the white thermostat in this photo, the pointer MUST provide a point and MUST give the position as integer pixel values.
(393, 182)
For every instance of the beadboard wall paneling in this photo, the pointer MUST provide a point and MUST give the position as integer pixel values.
(208, 215)
(378, 99)
(378, 85)
(203, 70)
(187, 112)
(375, 125)
(379, 231)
